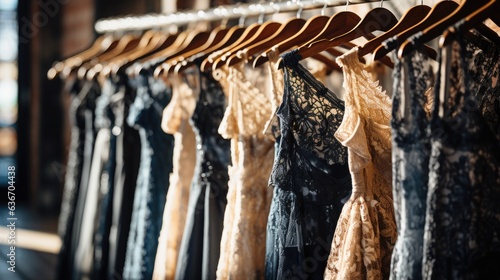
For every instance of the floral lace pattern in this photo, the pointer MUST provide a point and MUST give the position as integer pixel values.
(243, 244)
(366, 230)
(412, 102)
(310, 177)
(462, 229)
(175, 120)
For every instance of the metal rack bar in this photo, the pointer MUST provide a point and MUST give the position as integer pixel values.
(150, 21)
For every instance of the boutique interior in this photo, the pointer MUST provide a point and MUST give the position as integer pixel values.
(225, 139)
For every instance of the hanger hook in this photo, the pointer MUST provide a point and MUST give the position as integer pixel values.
(346, 4)
(241, 21)
(381, 3)
(324, 8)
(276, 7)
(262, 13)
(421, 2)
(299, 12)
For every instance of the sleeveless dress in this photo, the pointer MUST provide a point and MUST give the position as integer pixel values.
(366, 230)
(175, 121)
(310, 177)
(200, 247)
(414, 79)
(462, 230)
(243, 244)
(153, 180)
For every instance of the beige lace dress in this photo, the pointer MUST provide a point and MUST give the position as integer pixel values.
(243, 243)
(366, 231)
(175, 121)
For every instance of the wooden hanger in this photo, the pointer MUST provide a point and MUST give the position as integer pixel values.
(285, 31)
(125, 43)
(101, 45)
(234, 34)
(158, 43)
(162, 53)
(144, 42)
(435, 14)
(265, 30)
(211, 59)
(338, 24)
(311, 29)
(197, 41)
(410, 18)
(216, 36)
(464, 9)
(385, 19)
(130, 46)
(490, 10)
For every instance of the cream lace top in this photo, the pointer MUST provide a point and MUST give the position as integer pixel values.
(243, 242)
(366, 230)
(175, 120)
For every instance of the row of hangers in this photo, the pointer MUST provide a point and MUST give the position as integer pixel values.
(319, 37)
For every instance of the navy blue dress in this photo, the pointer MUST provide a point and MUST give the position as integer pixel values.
(310, 177)
(462, 226)
(153, 178)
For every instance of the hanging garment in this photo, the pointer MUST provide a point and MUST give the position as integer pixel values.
(366, 230)
(243, 243)
(175, 121)
(462, 230)
(74, 171)
(107, 111)
(200, 247)
(272, 128)
(128, 157)
(414, 79)
(153, 179)
(97, 188)
(310, 177)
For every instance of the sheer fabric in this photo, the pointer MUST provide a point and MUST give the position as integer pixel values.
(175, 121)
(366, 230)
(462, 226)
(200, 247)
(414, 79)
(310, 177)
(243, 240)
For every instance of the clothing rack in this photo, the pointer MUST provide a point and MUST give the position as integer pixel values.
(150, 21)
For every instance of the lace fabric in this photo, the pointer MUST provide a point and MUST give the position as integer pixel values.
(366, 230)
(310, 177)
(271, 127)
(200, 248)
(175, 121)
(153, 180)
(249, 197)
(462, 226)
(414, 79)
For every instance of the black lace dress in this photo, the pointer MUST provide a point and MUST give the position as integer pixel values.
(310, 177)
(412, 99)
(462, 230)
(200, 247)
